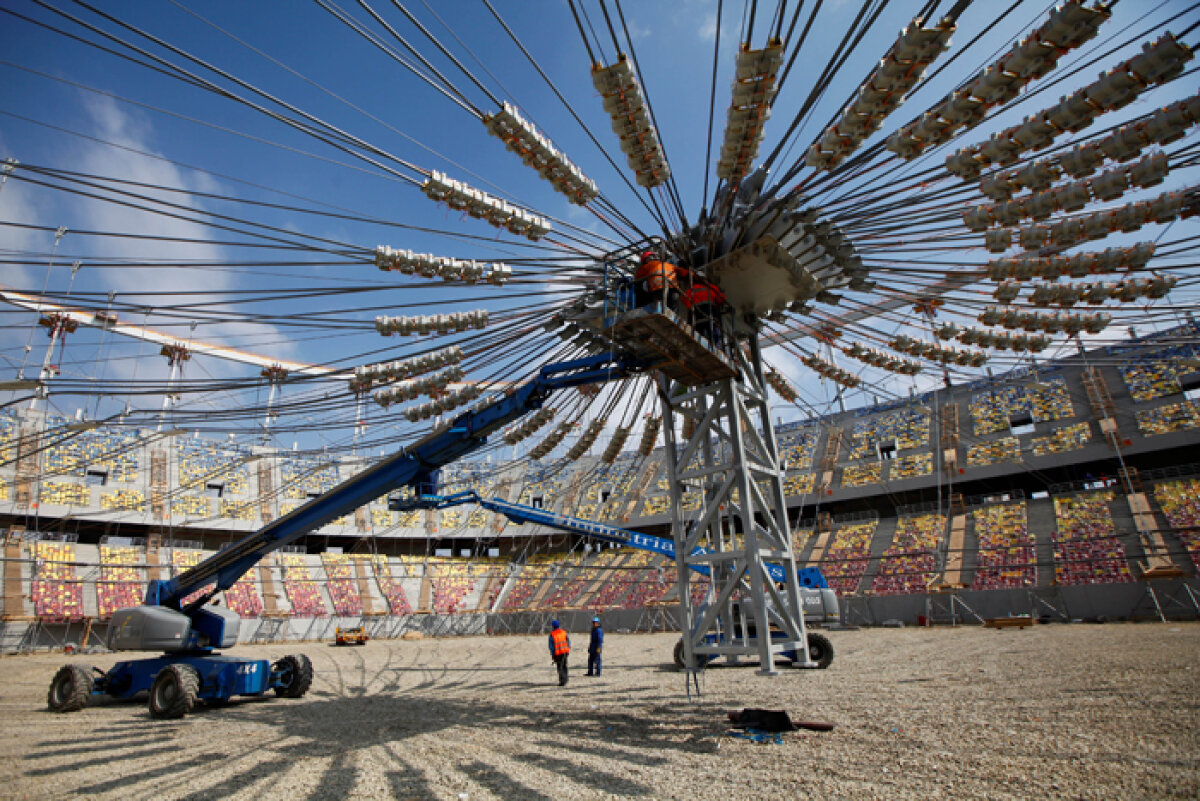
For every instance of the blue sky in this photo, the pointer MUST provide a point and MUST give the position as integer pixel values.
(328, 70)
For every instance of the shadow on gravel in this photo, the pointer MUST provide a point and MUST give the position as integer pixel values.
(448, 669)
(331, 729)
(100, 701)
(500, 783)
(601, 751)
(625, 692)
(332, 726)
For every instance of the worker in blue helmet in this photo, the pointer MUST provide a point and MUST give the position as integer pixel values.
(560, 649)
(594, 647)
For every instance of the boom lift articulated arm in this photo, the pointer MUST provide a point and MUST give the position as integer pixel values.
(820, 603)
(188, 670)
(809, 577)
(411, 466)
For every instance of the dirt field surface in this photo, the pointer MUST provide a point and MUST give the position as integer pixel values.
(1080, 711)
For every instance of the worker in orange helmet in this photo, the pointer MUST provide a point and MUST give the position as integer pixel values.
(560, 649)
(657, 280)
(704, 303)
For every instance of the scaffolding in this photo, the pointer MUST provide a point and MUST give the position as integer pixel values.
(730, 457)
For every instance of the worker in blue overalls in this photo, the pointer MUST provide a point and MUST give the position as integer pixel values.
(594, 647)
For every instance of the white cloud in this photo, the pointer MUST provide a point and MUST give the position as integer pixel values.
(124, 359)
(706, 22)
(129, 130)
(116, 126)
(639, 32)
(19, 205)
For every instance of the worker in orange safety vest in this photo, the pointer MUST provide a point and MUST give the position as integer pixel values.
(657, 280)
(560, 649)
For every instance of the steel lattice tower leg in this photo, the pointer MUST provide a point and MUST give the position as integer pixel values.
(727, 453)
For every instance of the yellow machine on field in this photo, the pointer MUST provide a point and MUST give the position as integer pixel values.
(355, 635)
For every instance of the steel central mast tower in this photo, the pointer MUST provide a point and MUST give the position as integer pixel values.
(691, 310)
(721, 450)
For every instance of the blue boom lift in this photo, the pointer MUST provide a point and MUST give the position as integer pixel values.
(820, 603)
(188, 635)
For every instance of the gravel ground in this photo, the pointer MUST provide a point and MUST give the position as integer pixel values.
(1080, 711)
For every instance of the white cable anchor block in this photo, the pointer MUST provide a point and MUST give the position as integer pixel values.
(1099, 224)
(482, 206)
(1007, 291)
(551, 441)
(613, 450)
(444, 403)
(428, 265)
(476, 319)
(937, 353)
(649, 435)
(521, 137)
(1077, 265)
(631, 121)
(586, 439)
(1098, 292)
(754, 90)
(884, 361)
(830, 371)
(1039, 175)
(1068, 27)
(410, 390)
(781, 385)
(529, 425)
(1158, 63)
(882, 93)
(1151, 170)
(1168, 124)
(1051, 323)
(369, 375)
(1002, 340)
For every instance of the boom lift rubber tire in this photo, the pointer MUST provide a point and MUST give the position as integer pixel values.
(173, 693)
(298, 675)
(680, 658)
(70, 688)
(820, 649)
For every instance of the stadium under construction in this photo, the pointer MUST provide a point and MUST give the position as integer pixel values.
(974, 426)
(1037, 457)
(1063, 491)
(748, 332)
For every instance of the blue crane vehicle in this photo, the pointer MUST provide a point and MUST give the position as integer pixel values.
(819, 601)
(188, 634)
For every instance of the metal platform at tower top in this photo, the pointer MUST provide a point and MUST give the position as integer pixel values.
(664, 342)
